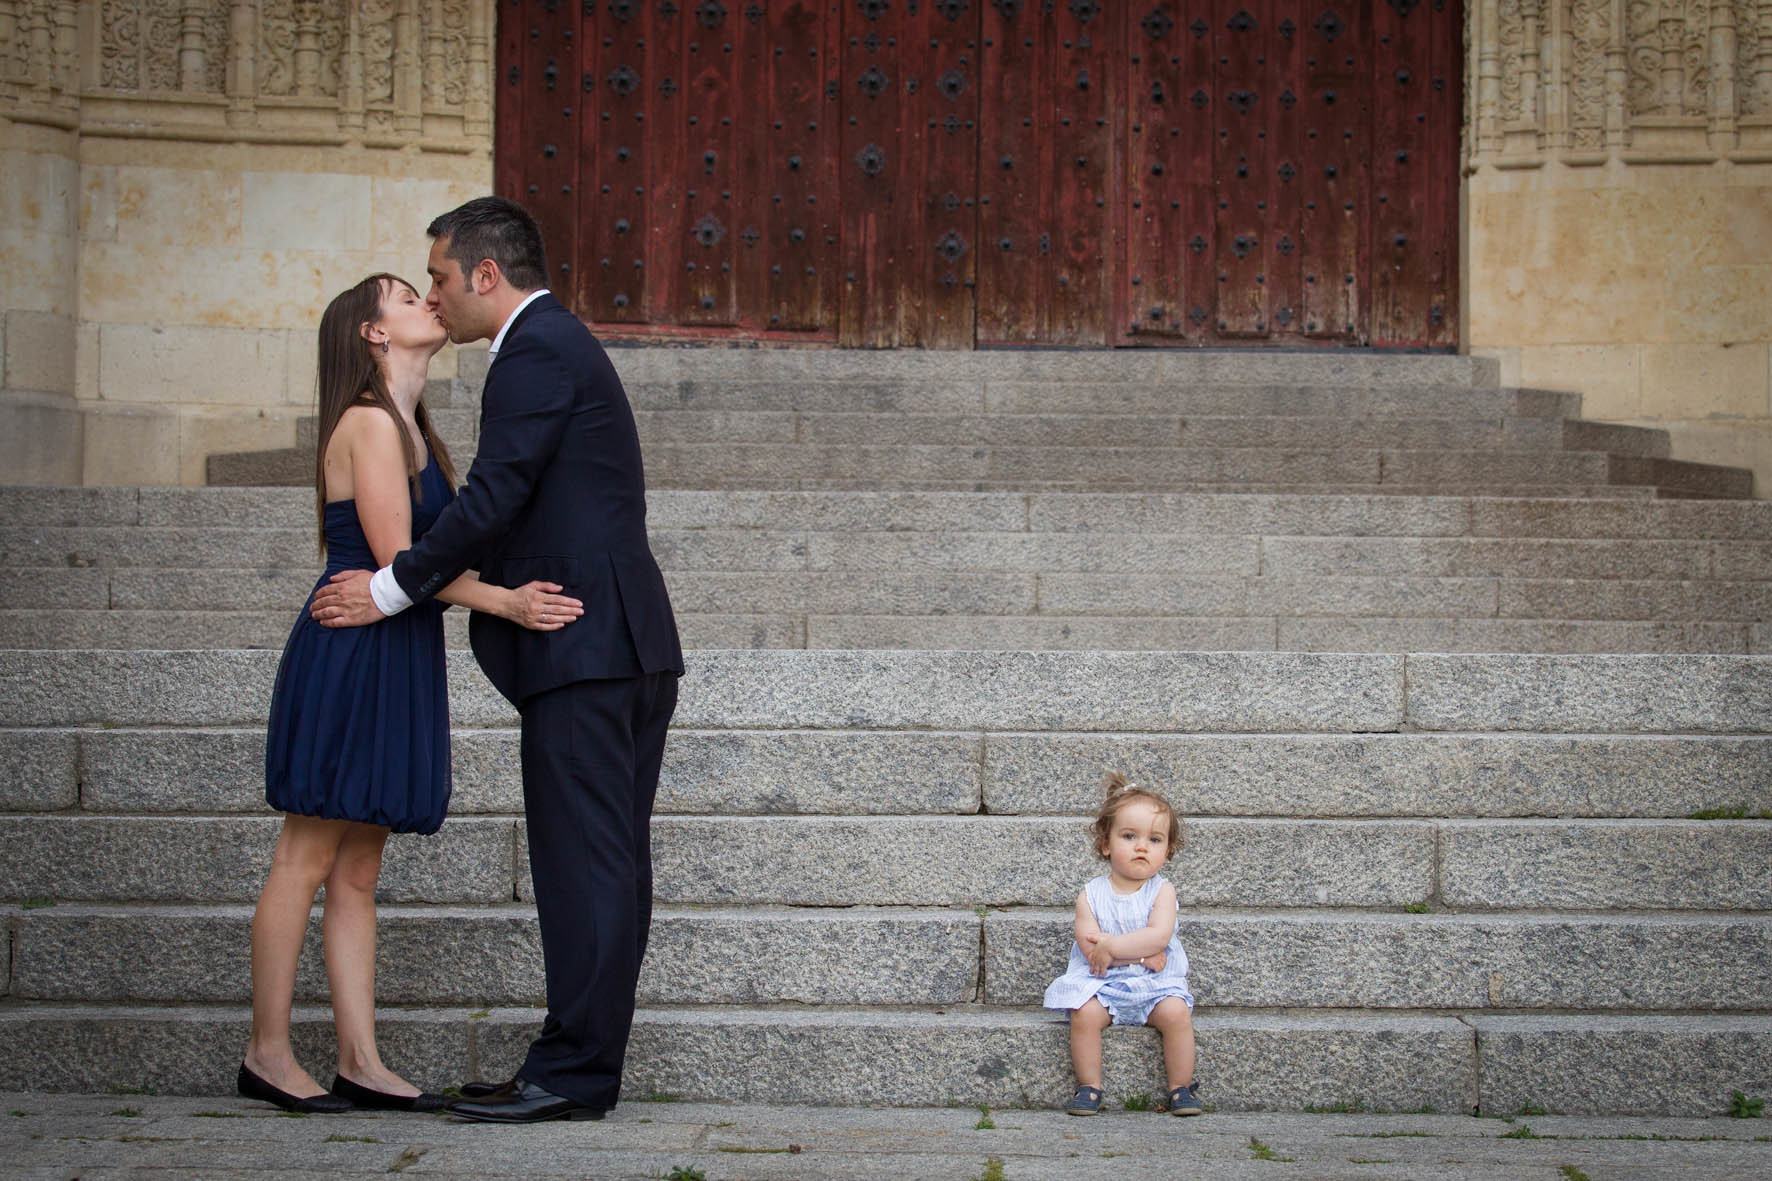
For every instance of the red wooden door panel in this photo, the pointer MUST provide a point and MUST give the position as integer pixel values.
(1013, 162)
(1418, 47)
(939, 226)
(952, 173)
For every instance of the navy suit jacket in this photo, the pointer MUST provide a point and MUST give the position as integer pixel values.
(555, 493)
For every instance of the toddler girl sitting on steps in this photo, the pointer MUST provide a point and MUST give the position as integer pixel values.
(1127, 966)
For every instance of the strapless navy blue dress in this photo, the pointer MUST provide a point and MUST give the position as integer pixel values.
(359, 724)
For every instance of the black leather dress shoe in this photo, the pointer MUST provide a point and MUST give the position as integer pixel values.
(361, 1096)
(251, 1086)
(480, 1090)
(524, 1103)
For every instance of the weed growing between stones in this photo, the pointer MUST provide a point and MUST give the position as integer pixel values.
(1261, 1151)
(1532, 1109)
(985, 1122)
(1741, 1107)
(21, 1113)
(685, 1173)
(1524, 1132)
(37, 903)
(1737, 813)
(1136, 1102)
(993, 1171)
(1416, 908)
(658, 1096)
(1572, 1173)
(128, 1112)
(477, 1014)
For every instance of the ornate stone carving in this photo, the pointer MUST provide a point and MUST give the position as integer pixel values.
(300, 43)
(1510, 40)
(119, 47)
(378, 51)
(1590, 24)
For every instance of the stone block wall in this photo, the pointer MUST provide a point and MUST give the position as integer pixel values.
(186, 185)
(1619, 212)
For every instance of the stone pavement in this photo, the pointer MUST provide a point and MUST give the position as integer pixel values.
(93, 1136)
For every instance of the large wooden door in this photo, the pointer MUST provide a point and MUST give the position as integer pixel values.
(960, 173)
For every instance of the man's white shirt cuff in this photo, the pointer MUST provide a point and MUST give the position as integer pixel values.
(389, 598)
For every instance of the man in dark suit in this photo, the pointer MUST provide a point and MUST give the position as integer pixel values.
(555, 494)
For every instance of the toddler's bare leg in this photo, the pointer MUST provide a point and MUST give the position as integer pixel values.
(1172, 1019)
(1087, 1023)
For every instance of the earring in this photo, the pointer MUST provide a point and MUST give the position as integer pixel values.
(384, 348)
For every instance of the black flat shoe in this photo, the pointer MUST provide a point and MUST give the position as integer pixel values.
(481, 1090)
(251, 1086)
(524, 1103)
(359, 1095)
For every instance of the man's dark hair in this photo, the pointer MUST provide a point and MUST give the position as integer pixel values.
(499, 229)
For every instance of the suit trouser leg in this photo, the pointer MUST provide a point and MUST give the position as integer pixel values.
(591, 753)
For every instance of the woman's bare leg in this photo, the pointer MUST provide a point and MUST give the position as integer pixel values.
(304, 857)
(349, 928)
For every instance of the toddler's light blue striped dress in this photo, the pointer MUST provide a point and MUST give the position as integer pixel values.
(1130, 992)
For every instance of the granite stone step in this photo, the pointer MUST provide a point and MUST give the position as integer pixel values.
(1178, 368)
(787, 625)
(685, 464)
(462, 955)
(875, 1056)
(955, 861)
(1002, 1057)
(871, 772)
(786, 511)
(1241, 959)
(961, 397)
(164, 568)
(1170, 692)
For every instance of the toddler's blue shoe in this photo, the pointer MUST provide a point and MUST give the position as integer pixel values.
(1182, 1101)
(1087, 1101)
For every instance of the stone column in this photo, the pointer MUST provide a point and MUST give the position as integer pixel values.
(1530, 109)
(408, 72)
(1488, 38)
(1763, 63)
(1617, 119)
(242, 62)
(1672, 30)
(1722, 75)
(307, 47)
(191, 53)
(350, 96)
(433, 91)
(477, 114)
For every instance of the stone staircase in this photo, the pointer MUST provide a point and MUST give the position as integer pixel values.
(1478, 788)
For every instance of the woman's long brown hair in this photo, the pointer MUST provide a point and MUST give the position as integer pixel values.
(349, 376)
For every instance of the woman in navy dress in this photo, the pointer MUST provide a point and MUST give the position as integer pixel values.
(358, 742)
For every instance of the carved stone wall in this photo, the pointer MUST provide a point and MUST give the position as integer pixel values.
(195, 179)
(1648, 81)
(1619, 208)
